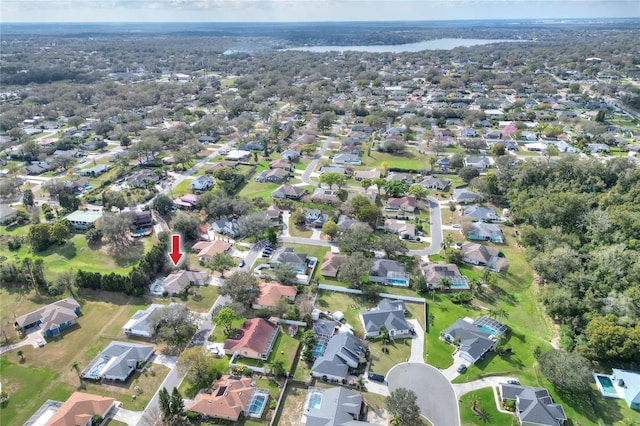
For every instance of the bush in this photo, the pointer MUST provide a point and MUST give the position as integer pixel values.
(461, 297)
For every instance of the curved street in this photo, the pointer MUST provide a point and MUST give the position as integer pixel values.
(436, 397)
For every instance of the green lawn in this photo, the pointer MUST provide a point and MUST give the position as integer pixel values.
(312, 251)
(410, 159)
(487, 405)
(284, 349)
(299, 230)
(397, 351)
(204, 297)
(182, 188)
(253, 189)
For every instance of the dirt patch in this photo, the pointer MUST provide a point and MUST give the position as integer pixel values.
(293, 404)
(379, 417)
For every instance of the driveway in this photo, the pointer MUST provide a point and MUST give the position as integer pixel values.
(132, 418)
(436, 230)
(417, 343)
(436, 397)
(30, 339)
(487, 382)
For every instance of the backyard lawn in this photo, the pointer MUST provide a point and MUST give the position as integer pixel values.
(397, 351)
(284, 349)
(200, 301)
(253, 189)
(410, 159)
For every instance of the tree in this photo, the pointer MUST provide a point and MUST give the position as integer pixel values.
(195, 362)
(457, 160)
(187, 225)
(355, 270)
(333, 178)
(297, 217)
(225, 318)
(391, 245)
(242, 287)
(379, 183)
(113, 199)
(20, 353)
(172, 407)
(221, 262)
(162, 204)
(285, 274)
(116, 230)
(550, 151)
(309, 339)
(418, 191)
(366, 183)
(355, 239)
(68, 201)
(395, 188)
(566, 370)
(280, 309)
(94, 236)
(59, 232)
(468, 173)
(325, 120)
(369, 214)
(174, 325)
(330, 229)
(253, 224)
(39, 236)
(402, 402)
(27, 197)
(276, 368)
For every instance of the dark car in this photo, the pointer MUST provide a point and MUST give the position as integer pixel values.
(461, 368)
(241, 263)
(376, 377)
(513, 382)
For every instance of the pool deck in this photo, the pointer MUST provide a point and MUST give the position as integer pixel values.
(619, 391)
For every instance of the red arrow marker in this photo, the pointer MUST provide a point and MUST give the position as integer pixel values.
(174, 251)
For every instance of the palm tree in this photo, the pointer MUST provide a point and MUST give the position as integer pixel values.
(75, 366)
(21, 355)
(396, 420)
(360, 382)
(475, 401)
(445, 283)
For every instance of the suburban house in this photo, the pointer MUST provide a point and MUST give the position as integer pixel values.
(406, 231)
(228, 399)
(345, 222)
(273, 214)
(207, 249)
(38, 167)
(254, 339)
(534, 406)
(96, 170)
(7, 212)
(141, 220)
(186, 202)
(322, 195)
(81, 220)
(404, 177)
(388, 313)
(629, 381)
(464, 196)
(315, 218)
(143, 322)
(78, 409)
(118, 361)
(272, 175)
(389, 272)
(480, 255)
(473, 342)
(280, 164)
(405, 204)
(238, 155)
(432, 182)
(434, 273)
(271, 293)
(289, 191)
(481, 214)
(53, 318)
(480, 231)
(482, 162)
(143, 178)
(290, 154)
(202, 183)
(226, 226)
(344, 351)
(335, 406)
(178, 281)
(331, 264)
(347, 159)
(286, 256)
(367, 174)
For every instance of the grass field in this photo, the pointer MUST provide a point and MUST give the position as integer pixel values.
(397, 351)
(410, 159)
(253, 189)
(486, 404)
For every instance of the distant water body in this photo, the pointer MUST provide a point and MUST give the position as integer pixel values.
(439, 44)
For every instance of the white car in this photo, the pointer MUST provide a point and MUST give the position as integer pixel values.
(456, 226)
(40, 342)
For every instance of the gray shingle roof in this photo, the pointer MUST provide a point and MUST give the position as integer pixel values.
(342, 350)
(534, 405)
(339, 407)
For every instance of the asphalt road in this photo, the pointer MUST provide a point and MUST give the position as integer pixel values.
(436, 398)
(306, 176)
(435, 218)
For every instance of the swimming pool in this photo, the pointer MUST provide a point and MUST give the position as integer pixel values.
(318, 350)
(605, 385)
(315, 400)
(399, 282)
(257, 406)
(94, 373)
(460, 286)
(487, 329)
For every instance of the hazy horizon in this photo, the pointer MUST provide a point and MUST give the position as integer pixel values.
(293, 11)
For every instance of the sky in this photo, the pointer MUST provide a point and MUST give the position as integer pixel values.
(307, 10)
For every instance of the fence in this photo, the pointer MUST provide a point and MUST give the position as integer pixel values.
(356, 291)
(233, 365)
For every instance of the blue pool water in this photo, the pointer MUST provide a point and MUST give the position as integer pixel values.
(607, 385)
(399, 282)
(315, 400)
(487, 329)
(258, 404)
(140, 232)
(95, 371)
(318, 349)
(459, 286)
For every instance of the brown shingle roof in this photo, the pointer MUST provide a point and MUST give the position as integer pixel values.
(331, 263)
(270, 293)
(210, 248)
(79, 409)
(229, 397)
(255, 335)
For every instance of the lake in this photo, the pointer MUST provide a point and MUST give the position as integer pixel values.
(439, 44)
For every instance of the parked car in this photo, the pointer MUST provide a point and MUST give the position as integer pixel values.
(40, 343)
(376, 377)
(461, 368)
(241, 265)
(456, 225)
(513, 382)
(265, 254)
